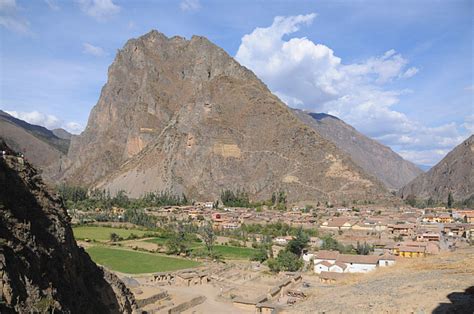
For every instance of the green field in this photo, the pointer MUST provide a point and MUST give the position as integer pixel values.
(132, 262)
(103, 233)
(164, 240)
(233, 252)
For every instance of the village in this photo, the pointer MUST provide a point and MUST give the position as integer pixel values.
(343, 242)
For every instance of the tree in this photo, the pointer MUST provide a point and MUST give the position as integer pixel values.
(411, 200)
(178, 242)
(114, 237)
(273, 265)
(260, 255)
(288, 261)
(363, 249)
(209, 237)
(450, 200)
(297, 244)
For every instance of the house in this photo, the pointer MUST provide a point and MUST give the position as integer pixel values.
(405, 230)
(455, 229)
(324, 255)
(428, 236)
(386, 260)
(469, 217)
(358, 263)
(412, 251)
(322, 266)
(338, 267)
(338, 223)
(332, 261)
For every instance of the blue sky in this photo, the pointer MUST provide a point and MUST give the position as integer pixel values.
(399, 71)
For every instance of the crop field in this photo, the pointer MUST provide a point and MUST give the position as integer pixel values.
(132, 262)
(227, 252)
(103, 233)
(232, 252)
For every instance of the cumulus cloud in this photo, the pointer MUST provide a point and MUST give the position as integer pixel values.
(93, 50)
(47, 120)
(101, 10)
(10, 19)
(190, 5)
(311, 76)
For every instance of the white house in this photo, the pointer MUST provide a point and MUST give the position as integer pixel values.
(322, 266)
(333, 261)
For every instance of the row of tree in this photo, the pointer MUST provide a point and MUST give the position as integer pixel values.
(80, 198)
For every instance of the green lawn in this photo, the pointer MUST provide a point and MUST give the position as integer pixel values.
(132, 262)
(103, 233)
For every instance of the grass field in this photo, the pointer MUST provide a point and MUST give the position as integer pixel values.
(163, 240)
(132, 262)
(233, 252)
(227, 252)
(103, 233)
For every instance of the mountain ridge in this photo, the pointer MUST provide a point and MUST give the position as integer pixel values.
(453, 174)
(375, 158)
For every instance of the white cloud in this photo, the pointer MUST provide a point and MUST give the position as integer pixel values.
(53, 5)
(469, 123)
(93, 50)
(410, 72)
(10, 19)
(190, 5)
(47, 120)
(101, 10)
(311, 76)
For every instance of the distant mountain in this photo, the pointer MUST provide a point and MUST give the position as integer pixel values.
(424, 167)
(183, 116)
(454, 173)
(376, 159)
(62, 133)
(39, 145)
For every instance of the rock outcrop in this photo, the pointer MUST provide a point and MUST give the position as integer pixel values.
(41, 267)
(183, 116)
(454, 173)
(376, 159)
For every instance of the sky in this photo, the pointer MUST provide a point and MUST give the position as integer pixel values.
(398, 71)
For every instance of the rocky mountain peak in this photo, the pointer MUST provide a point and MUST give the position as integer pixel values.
(183, 116)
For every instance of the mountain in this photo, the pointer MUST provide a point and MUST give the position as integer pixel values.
(183, 116)
(62, 133)
(376, 159)
(454, 173)
(41, 146)
(42, 270)
(424, 167)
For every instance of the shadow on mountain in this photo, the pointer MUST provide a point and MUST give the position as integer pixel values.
(461, 302)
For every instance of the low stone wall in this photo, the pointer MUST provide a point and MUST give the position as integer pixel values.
(187, 305)
(152, 299)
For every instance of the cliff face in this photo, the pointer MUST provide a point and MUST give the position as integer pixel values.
(41, 266)
(454, 173)
(183, 116)
(376, 159)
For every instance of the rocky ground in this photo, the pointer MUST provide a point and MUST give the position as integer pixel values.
(438, 284)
